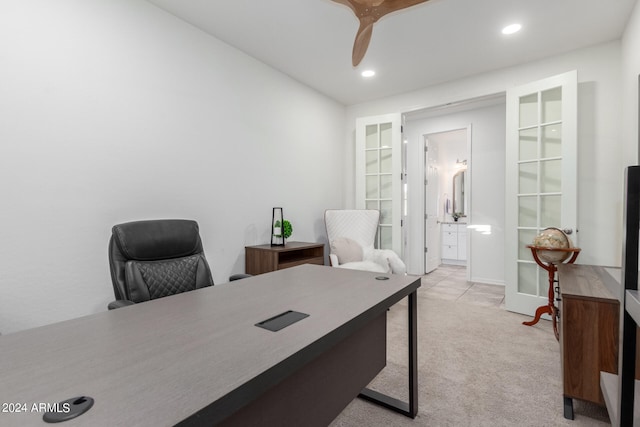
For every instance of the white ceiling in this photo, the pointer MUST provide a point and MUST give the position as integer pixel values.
(430, 43)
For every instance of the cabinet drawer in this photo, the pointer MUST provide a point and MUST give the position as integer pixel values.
(450, 239)
(451, 228)
(449, 252)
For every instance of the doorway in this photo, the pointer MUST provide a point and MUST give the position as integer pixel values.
(446, 195)
(483, 119)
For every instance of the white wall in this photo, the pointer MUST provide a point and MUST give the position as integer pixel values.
(486, 179)
(600, 172)
(630, 72)
(113, 110)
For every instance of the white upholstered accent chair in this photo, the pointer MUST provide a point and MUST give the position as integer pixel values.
(352, 235)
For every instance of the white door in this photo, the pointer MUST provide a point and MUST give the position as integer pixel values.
(540, 184)
(379, 175)
(432, 201)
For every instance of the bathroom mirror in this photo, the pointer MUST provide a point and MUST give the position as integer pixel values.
(458, 193)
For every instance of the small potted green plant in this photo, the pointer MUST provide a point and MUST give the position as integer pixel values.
(286, 229)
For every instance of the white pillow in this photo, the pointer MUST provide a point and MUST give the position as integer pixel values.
(380, 258)
(396, 264)
(346, 250)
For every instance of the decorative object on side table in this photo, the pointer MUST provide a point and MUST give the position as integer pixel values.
(277, 220)
(552, 238)
(550, 248)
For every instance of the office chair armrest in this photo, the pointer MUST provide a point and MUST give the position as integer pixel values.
(119, 303)
(238, 277)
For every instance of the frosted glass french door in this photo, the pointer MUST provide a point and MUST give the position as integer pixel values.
(541, 180)
(379, 175)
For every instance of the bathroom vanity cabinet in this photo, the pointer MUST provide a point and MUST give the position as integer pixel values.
(454, 243)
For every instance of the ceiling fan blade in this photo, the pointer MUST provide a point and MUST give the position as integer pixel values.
(369, 3)
(368, 12)
(346, 3)
(393, 5)
(363, 37)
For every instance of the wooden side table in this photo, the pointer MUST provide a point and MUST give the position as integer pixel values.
(265, 258)
(551, 268)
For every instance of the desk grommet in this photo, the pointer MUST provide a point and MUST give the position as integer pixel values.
(68, 409)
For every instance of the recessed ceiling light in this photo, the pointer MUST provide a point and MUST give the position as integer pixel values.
(510, 29)
(368, 73)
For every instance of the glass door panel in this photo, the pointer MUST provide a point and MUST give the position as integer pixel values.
(527, 278)
(386, 237)
(373, 166)
(386, 187)
(528, 178)
(525, 236)
(385, 135)
(528, 110)
(551, 105)
(551, 141)
(372, 139)
(386, 212)
(528, 144)
(386, 164)
(550, 211)
(528, 211)
(372, 187)
(551, 176)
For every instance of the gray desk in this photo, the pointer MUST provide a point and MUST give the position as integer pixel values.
(197, 358)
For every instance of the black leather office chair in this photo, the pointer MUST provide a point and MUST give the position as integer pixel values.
(155, 259)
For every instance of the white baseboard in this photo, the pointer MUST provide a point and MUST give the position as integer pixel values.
(454, 262)
(487, 281)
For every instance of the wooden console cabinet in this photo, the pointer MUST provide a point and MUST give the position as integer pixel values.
(265, 258)
(589, 335)
(589, 323)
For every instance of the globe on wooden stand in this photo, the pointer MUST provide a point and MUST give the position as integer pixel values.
(550, 248)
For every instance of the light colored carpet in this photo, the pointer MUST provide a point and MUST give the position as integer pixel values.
(478, 366)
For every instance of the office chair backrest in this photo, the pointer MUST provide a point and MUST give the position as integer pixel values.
(157, 258)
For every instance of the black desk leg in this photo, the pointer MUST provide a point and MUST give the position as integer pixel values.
(409, 409)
